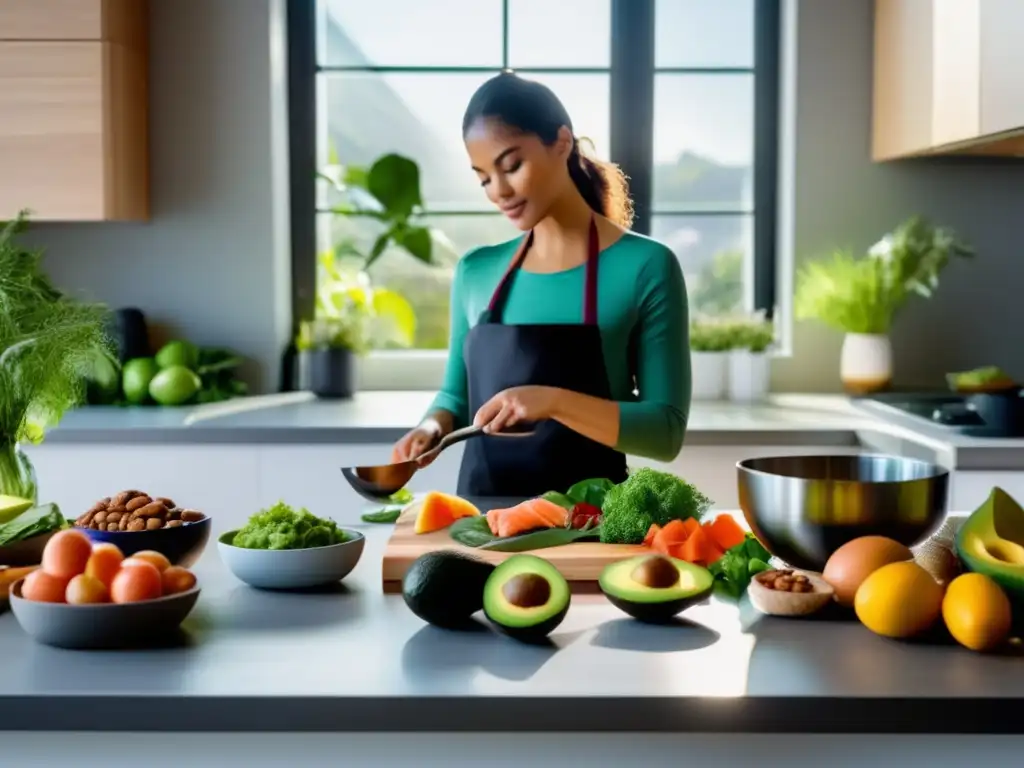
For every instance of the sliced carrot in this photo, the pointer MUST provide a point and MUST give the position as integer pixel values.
(700, 549)
(676, 551)
(725, 532)
(690, 524)
(673, 533)
(651, 533)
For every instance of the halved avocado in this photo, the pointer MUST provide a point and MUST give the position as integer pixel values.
(526, 597)
(991, 542)
(654, 588)
(445, 588)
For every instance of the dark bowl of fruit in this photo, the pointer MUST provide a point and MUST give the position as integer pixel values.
(136, 521)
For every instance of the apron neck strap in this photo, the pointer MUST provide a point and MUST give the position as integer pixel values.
(500, 296)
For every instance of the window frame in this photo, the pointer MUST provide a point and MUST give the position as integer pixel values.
(631, 71)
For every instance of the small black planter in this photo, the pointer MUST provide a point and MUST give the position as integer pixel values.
(328, 373)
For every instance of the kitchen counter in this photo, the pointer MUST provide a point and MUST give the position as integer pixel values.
(382, 417)
(352, 659)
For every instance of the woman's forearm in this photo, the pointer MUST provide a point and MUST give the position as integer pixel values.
(592, 417)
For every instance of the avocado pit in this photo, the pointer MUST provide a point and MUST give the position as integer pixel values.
(656, 572)
(527, 590)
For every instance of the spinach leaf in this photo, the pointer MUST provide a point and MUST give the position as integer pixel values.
(734, 570)
(590, 491)
(542, 539)
(32, 522)
(384, 515)
(471, 531)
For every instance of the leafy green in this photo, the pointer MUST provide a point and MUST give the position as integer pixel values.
(590, 492)
(403, 496)
(282, 527)
(864, 294)
(48, 344)
(734, 570)
(646, 497)
(383, 515)
(475, 532)
(218, 371)
(34, 521)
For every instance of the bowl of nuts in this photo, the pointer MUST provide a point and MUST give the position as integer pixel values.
(137, 521)
(787, 592)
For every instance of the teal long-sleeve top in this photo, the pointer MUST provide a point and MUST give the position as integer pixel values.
(641, 301)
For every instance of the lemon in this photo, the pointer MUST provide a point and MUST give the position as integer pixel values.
(977, 612)
(898, 600)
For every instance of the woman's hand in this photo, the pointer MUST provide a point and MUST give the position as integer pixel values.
(516, 405)
(416, 442)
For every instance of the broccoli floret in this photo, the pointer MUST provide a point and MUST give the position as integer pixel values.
(647, 496)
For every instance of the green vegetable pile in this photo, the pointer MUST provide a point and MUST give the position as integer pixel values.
(734, 570)
(646, 497)
(282, 527)
(34, 521)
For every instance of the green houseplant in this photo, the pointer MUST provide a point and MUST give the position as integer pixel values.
(49, 344)
(862, 296)
(382, 205)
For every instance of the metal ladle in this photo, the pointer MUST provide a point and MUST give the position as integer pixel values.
(380, 483)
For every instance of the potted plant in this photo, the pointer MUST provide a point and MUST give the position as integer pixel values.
(352, 316)
(862, 296)
(49, 344)
(749, 369)
(710, 342)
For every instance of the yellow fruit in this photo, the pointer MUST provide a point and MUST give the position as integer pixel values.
(977, 612)
(899, 600)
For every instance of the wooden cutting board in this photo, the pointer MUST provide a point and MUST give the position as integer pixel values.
(581, 562)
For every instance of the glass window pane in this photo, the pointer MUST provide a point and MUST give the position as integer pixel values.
(704, 33)
(366, 115)
(404, 33)
(703, 142)
(587, 98)
(559, 33)
(716, 254)
(426, 287)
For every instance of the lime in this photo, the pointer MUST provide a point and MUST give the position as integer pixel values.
(174, 385)
(178, 353)
(135, 378)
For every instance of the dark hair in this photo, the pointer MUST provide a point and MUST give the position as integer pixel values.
(531, 107)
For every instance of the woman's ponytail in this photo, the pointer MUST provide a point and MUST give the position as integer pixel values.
(603, 185)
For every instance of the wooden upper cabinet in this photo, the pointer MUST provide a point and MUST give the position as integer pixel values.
(73, 110)
(948, 78)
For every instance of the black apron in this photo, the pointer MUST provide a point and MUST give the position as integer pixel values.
(567, 356)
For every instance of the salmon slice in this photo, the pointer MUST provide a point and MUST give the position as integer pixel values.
(528, 516)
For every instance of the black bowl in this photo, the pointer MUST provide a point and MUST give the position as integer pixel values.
(181, 545)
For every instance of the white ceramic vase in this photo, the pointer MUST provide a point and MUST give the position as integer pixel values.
(749, 374)
(709, 373)
(865, 364)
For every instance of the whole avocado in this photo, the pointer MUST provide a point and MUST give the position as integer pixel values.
(445, 588)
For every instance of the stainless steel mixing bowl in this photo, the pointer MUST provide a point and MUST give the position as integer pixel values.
(803, 508)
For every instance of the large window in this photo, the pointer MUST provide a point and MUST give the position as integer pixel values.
(681, 93)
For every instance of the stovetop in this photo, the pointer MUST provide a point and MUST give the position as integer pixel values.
(971, 415)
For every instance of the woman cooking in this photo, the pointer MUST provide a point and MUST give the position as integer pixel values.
(578, 330)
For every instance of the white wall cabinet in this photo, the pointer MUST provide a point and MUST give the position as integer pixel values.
(947, 78)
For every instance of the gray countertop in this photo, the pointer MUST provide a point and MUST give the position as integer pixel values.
(353, 659)
(382, 417)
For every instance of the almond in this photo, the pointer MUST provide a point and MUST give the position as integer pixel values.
(137, 503)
